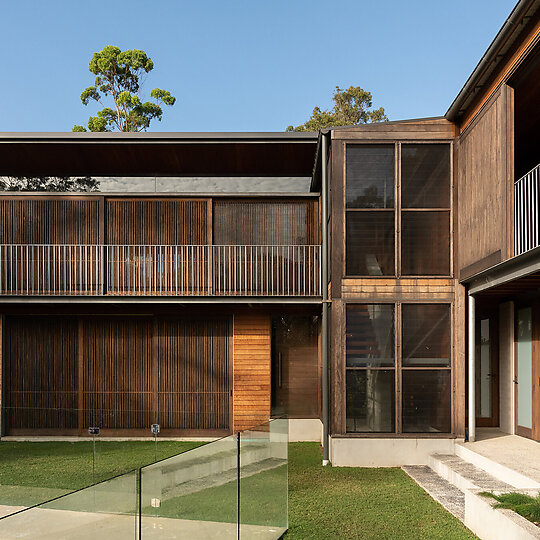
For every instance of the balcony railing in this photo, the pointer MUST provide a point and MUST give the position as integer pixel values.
(527, 212)
(152, 270)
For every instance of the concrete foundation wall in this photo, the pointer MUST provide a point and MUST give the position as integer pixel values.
(305, 429)
(352, 452)
(506, 367)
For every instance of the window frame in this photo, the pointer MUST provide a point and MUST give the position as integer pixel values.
(398, 209)
(399, 368)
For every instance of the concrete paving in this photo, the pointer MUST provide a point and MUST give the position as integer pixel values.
(449, 496)
(516, 453)
(49, 524)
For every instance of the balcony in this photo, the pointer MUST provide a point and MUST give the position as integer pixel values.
(159, 270)
(527, 212)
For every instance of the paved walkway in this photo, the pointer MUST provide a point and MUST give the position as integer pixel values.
(517, 453)
(48, 524)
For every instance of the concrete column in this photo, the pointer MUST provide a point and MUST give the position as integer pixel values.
(472, 367)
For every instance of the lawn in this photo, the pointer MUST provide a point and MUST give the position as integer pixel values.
(324, 503)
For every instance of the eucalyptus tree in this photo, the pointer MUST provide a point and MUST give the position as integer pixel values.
(117, 89)
(352, 106)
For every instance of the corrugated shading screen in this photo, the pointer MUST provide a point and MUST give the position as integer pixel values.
(40, 373)
(163, 222)
(49, 221)
(250, 222)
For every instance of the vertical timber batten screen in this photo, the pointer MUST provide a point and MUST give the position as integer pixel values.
(123, 374)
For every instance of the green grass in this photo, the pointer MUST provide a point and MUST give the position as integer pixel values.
(33, 472)
(524, 505)
(324, 502)
(337, 502)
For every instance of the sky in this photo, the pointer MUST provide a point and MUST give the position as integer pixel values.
(257, 65)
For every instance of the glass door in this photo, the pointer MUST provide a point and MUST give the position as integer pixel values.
(487, 370)
(524, 379)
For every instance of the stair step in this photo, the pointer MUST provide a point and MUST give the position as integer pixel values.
(448, 495)
(465, 475)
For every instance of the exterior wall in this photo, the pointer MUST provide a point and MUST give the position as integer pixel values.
(305, 429)
(506, 368)
(252, 366)
(484, 189)
(386, 452)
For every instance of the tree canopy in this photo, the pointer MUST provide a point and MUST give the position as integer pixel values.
(351, 107)
(119, 77)
(48, 183)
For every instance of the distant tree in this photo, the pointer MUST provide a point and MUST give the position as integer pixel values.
(48, 183)
(351, 107)
(118, 77)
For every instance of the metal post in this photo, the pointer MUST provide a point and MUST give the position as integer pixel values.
(324, 279)
(472, 366)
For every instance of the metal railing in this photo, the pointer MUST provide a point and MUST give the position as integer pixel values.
(156, 270)
(527, 212)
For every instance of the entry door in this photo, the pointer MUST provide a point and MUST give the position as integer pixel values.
(524, 372)
(487, 372)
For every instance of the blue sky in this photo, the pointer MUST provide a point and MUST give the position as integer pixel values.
(243, 65)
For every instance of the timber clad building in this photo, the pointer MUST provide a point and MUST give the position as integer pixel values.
(382, 289)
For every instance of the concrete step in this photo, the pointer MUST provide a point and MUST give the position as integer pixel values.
(464, 475)
(448, 495)
(514, 472)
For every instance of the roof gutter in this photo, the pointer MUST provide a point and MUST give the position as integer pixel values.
(513, 19)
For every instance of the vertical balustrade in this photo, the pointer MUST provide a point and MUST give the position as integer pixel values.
(526, 212)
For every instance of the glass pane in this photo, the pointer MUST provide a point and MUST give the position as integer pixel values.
(192, 495)
(370, 335)
(426, 335)
(107, 510)
(426, 401)
(370, 176)
(370, 401)
(425, 243)
(425, 175)
(370, 243)
(483, 372)
(525, 368)
(264, 480)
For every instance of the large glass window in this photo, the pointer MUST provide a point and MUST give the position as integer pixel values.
(370, 176)
(418, 220)
(373, 400)
(370, 243)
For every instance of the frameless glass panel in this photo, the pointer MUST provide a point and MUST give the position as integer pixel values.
(108, 509)
(192, 495)
(524, 374)
(425, 243)
(483, 372)
(370, 176)
(426, 401)
(426, 335)
(370, 335)
(370, 243)
(263, 480)
(425, 175)
(370, 400)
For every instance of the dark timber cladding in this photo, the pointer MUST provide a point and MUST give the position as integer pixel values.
(63, 375)
(165, 154)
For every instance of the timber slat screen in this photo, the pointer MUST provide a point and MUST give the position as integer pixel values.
(154, 247)
(63, 375)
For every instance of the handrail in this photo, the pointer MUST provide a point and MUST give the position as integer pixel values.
(159, 270)
(527, 211)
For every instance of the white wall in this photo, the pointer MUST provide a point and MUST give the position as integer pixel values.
(370, 452)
